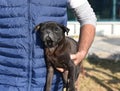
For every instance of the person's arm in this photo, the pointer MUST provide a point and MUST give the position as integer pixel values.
(87, 19)
(87, 33)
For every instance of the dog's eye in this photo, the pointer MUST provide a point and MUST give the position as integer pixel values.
(57, 29)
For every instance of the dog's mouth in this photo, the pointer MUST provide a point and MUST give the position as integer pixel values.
(49, 42)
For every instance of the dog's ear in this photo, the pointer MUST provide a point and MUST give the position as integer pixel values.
(37, 28)
(64, 28)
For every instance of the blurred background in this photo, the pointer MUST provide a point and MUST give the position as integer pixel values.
(108, 16)
(102, 64)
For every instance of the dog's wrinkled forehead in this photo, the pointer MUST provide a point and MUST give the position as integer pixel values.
(51, 26)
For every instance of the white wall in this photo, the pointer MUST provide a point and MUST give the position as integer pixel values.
(102, 28)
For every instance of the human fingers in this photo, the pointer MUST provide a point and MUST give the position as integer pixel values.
(60, 69)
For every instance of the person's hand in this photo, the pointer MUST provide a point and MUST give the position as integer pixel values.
(77, 58)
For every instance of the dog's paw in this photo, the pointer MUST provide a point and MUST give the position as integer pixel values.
(64, 89)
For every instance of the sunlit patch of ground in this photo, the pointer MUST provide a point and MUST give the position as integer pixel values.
(100, 75)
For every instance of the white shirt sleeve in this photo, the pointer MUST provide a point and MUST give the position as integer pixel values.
(76, 3)
(83, 12)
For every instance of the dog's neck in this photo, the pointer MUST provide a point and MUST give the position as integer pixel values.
(51, 50)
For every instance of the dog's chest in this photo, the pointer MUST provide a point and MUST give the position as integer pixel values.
(57, 59)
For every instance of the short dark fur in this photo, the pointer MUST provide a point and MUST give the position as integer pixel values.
(57, 51)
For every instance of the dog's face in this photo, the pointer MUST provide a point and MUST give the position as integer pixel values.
(51, 33)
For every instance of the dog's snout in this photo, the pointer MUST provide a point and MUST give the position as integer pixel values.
(48, 38)
(48, 42)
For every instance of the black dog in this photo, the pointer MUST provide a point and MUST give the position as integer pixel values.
(57, 51)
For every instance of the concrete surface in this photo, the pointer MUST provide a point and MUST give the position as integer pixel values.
(106, 48)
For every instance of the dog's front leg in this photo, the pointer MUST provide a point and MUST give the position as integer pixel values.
(49, 78)
(71, 82)
(65, 80)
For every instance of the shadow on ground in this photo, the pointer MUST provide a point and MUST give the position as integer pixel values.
(107, 64)
(105, 73)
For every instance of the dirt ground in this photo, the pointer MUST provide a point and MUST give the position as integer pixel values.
(100, 75)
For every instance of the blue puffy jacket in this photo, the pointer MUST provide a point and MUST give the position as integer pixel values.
(22, 64)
